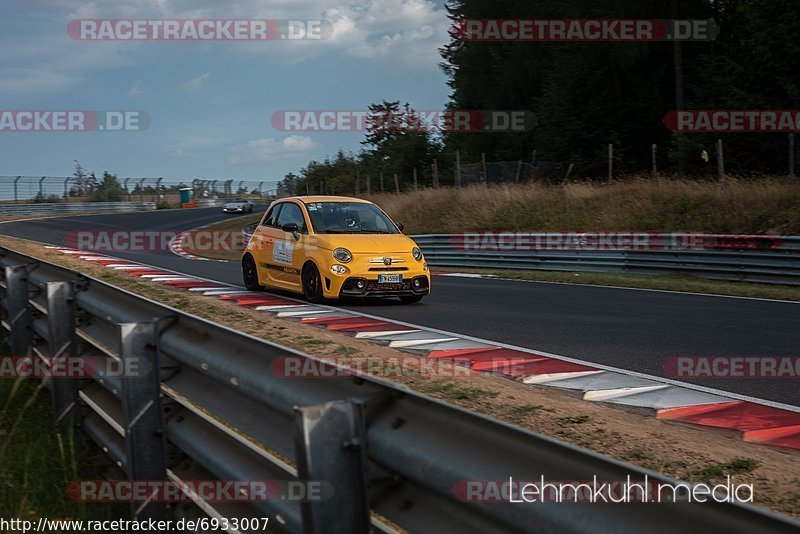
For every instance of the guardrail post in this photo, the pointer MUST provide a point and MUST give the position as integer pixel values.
(19, 313)
(61, 340)
(331, 447)
(145, 447)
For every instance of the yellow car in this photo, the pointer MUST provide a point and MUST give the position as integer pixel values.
(334, 247)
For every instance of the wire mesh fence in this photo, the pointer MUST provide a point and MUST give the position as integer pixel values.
(506, 172)
(44, 189)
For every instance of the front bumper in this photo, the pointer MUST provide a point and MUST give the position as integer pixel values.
(411, 287)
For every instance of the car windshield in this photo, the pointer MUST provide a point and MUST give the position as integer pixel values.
(349, 218)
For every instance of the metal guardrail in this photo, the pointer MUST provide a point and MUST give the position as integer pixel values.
(205, 405)
(76, 207)
(762, 259)
(211, 202)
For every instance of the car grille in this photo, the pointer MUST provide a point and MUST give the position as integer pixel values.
(375, 286)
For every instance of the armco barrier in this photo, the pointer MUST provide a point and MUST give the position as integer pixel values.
(210, 203)
(763, 259)
(77, 207)
(204, 405)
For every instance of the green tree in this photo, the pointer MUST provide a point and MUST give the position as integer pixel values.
(109, 190)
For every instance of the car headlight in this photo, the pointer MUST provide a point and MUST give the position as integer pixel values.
(417, 253)
(343, 255)
(338, 269)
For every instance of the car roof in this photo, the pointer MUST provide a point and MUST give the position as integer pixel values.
(326, 198)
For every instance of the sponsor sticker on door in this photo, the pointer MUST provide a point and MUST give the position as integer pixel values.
(282, 252)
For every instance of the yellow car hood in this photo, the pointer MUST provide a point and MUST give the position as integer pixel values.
(367, 243)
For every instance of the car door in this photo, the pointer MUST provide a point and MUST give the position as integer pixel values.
(261, 244)
(289, 250)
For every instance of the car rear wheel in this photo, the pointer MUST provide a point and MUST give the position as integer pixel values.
(250, 274)
(312, 284)
(411, 300)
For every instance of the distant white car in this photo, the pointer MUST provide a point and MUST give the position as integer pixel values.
(238, 206)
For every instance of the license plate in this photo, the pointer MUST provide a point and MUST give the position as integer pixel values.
(390, 278)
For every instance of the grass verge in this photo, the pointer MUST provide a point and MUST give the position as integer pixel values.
(37, 463)
(730, 206)
(233, 226)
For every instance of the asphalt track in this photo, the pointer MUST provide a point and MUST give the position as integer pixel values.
(628, 329)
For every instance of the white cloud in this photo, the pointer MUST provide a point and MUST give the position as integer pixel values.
(393, 33)
(136, 88)
(400, 32)
(27, 81)
(265, 150)
(197, 83)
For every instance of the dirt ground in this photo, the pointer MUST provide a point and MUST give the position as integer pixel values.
(674, 450)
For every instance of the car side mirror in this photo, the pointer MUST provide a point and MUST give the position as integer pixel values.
(400, 226)
(293, 229)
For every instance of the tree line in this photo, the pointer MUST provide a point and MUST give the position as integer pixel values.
(587, 95)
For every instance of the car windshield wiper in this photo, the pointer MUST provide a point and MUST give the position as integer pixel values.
(376, 232)
(341, 231)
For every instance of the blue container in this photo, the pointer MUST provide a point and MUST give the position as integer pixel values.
(186, 195)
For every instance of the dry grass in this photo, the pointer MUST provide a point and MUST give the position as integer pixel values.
(735, 205)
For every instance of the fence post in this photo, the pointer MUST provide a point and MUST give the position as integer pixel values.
(158, 190)
(396, 184)
(145, 448)
(41, 181)
(654, 157)
(66, 182)
(569, 171)
(19, 314)
(61, 340)
(435, 173)
(356, 185)
(610, 161)
(17, 179)
(519, 171)
(792, 156)
(415, 178)
(331, 446)
(382, 189)
(720, 160)
(483, 167)
(369, 185)
(458, 169)
(533, 157)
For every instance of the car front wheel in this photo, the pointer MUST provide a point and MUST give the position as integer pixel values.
(312, 284)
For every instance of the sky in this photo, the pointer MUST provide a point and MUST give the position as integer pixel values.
(209, 103)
